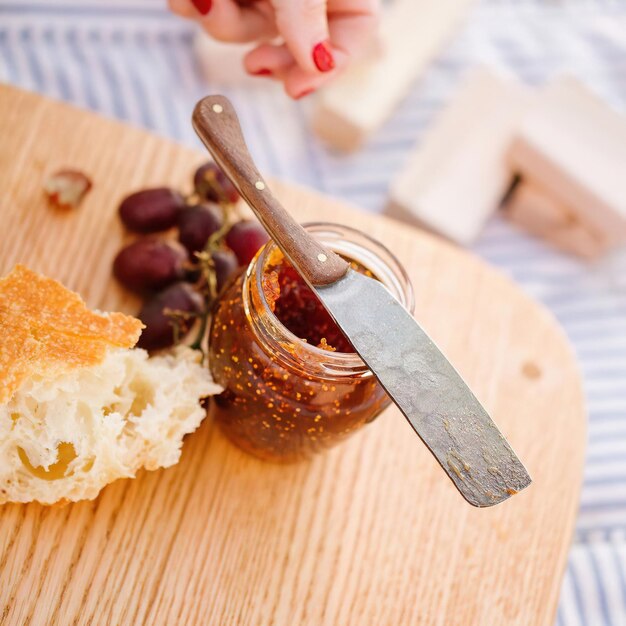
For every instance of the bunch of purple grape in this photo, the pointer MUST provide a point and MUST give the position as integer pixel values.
(180, 279)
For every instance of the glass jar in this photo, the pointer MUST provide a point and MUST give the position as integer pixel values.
(285, 399)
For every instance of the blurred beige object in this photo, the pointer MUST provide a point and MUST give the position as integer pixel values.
(222, 63)
(455, 179)
(531, 208)
(572, 146)
(616, 265)
(349, 109)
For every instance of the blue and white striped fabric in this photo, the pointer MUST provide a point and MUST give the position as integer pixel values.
(132, 60)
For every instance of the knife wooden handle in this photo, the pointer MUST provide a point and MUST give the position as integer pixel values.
(217, 125)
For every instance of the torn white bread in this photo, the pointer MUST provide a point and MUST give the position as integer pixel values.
(78, 407)
(456, 177)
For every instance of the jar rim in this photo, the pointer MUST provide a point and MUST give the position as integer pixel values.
(337, 363)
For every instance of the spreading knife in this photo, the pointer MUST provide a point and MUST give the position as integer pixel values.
(416, 375)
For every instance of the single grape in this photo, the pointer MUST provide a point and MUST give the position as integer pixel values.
(245, 239)
(151, 210)
(159, 331)
(150, 264)
(196, 224)
(212, 184)
(226, 266)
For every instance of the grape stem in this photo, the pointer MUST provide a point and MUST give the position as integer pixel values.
(207, 267)
(178, 320)
(197, 344)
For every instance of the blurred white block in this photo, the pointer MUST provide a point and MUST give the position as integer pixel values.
(616, 268)
(412, 32)
(456, 178)
(573, 145)
(221, 63)
(530, 207)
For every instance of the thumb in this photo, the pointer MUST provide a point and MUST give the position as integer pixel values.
(303, 25)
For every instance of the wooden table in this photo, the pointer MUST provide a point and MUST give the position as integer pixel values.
(371, 532)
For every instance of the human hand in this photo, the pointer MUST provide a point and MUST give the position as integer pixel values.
(319, 37)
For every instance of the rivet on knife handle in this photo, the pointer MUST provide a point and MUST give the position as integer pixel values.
(216, 123)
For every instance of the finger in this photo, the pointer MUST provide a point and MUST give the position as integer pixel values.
(352, 24)
(304, 27)
(299, 84)
(277, 62)
(350, 35)
(184, 8)
(225, 20)
(269, 60)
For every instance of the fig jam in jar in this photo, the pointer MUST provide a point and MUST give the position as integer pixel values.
(293, 384)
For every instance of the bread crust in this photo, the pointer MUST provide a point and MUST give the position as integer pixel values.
(47, 330)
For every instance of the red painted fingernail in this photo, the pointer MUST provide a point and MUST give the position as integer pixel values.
(203, 6)
(305, 93)
(323, 57)
(262, 72)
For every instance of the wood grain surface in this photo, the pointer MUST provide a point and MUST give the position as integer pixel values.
(371, 533)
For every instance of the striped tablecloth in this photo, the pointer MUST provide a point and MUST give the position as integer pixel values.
(132, 60)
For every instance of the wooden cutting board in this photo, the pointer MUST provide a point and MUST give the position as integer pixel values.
(371, 532)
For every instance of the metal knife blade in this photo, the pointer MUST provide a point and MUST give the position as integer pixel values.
(426, 388)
